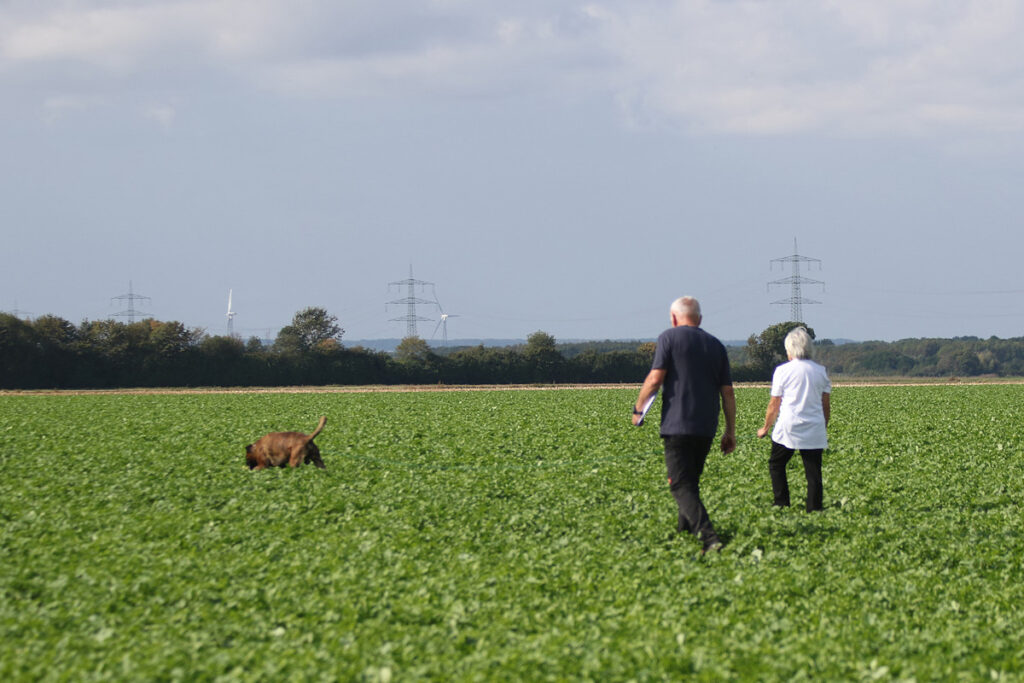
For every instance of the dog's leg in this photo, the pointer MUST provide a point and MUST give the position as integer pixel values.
(297, 455)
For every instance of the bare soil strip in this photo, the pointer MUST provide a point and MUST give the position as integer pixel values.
(405, 388)
(333, 389)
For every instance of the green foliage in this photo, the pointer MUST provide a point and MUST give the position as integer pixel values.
(963, 357)
(503, 535)
(52, 353)
(540, 342)
(311, 328)
(768, 349)
(541, 354)
(413, 350)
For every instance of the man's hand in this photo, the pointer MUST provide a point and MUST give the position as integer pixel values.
(728, 443)
(762, 432)
(655, 378)
(729, 408)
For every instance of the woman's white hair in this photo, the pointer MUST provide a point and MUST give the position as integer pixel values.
(799, 343)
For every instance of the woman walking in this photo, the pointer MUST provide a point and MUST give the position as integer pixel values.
(799, 408)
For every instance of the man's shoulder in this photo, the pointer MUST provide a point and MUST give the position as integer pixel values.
(689, 331)
(690, 339)
(705, 336)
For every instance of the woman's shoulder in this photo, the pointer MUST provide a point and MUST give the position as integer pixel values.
(819, 370)
(804, 366)
(813, 365)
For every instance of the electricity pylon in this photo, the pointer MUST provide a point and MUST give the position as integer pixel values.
(131, 297)
(796, 282)
(410, 318)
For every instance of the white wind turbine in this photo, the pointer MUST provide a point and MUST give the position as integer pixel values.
(443, 322)
(231, 317)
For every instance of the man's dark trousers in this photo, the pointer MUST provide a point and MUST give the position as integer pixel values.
(684, 457)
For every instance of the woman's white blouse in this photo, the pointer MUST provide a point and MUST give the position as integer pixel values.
(801, 421)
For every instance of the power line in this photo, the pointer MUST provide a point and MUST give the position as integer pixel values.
(796, 282)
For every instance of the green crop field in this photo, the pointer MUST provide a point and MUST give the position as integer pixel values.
(503, 535)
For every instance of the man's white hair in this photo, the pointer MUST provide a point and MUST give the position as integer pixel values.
(686, 307)
(799, 343)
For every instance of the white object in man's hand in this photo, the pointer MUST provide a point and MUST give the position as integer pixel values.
(645, 409)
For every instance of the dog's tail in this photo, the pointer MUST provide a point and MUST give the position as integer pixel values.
(319, 428)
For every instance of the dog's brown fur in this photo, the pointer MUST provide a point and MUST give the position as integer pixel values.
(285, 449)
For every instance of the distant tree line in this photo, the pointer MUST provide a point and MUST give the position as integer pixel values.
(50, 352)
(956, 357)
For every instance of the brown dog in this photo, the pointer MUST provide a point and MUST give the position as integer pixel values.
(285, 449)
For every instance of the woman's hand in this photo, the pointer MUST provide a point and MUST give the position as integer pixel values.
(770, 415)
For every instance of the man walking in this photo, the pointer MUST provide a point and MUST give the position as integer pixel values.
(693, 368)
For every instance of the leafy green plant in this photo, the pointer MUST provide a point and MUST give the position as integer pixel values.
(502, 535)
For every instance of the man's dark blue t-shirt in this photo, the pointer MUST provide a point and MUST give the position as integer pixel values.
(697, 367)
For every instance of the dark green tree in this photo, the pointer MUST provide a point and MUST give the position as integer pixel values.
(415, 362)
(310, 327)
(768, 349)
(540, 342)
(54, 331)
(541, 353)
(487, 365)
(222, 361)
(171, 339)
(413, 350)
(19, 358)
(57, 349)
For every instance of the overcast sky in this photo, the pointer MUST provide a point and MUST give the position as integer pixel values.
(551, 164)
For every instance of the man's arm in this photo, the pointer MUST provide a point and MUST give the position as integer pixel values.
(826, 406)
(729, 408)
(655, 378)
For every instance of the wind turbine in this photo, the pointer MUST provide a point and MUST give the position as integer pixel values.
(231, 317)
(443, 322)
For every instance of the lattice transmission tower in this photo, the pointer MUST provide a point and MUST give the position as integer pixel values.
(796, 281)
(410, 302)
(18, 313)
(131, 297)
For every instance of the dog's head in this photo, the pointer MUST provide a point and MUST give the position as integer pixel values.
(313, 455)
(250, 457)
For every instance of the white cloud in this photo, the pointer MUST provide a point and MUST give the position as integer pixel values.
(788, 66)
(106, 38)
(163, 114)
(735, 66)
(57, 106)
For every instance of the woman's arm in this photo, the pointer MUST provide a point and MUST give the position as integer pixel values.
(770, 416)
